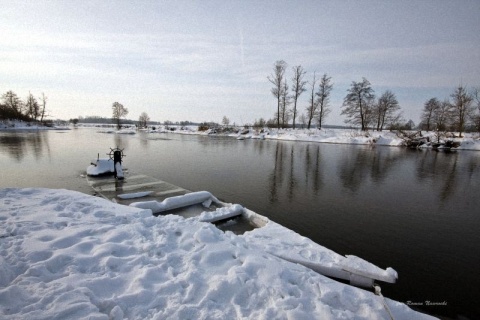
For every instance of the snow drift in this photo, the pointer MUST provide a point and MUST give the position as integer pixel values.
(69, 255)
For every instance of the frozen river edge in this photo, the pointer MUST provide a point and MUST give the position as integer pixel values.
(70, 255)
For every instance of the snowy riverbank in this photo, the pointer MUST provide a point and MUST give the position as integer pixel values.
(69, 255)
(22, 125)
(470, 141)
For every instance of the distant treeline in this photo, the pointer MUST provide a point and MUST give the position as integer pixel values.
(97, 119)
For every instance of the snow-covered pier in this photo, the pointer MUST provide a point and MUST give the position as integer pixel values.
(130, 189)
(162, 197)
(70, 255)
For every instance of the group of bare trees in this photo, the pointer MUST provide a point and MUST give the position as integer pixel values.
(318, 107)
(119, 111)
(456, 113)
(31, 109)
(361, 107)
(143, 120)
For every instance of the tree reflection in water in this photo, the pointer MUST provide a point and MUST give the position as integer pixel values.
(299, 170)
(19, 144)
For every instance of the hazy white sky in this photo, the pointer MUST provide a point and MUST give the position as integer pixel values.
(201, 60)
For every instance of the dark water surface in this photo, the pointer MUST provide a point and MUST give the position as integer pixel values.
(415, 211)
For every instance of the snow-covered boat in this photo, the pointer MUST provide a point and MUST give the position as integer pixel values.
(164, 198)
(107, 166)
(100, 166)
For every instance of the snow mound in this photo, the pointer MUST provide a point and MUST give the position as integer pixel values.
(69, 255)
(383, 141)
(469, 144)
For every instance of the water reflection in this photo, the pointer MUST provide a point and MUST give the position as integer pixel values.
(18, 145)
(354, 169)
(383, 160)
(292, 181)
(376, 163)
(442, 170)
(296, 168)
(313, 159)
(120, 141)
(276, 177)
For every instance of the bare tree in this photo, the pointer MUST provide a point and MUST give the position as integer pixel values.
(312, 106)
(370, 112)
(476, 117)
(385, 109)
(43, 99)
(461, 108)
(260, 123)
(225, 121)
(285, 101)
(32, 109)
(357, 104)
(276, 78)
(443, 116)
(303, 120)
(323, 98)
(442, 119)
(298, 87)
(119, 111)
(13, 104)
(430, 108)
(143, 120)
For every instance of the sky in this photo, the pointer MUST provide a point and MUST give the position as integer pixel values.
(202, 60)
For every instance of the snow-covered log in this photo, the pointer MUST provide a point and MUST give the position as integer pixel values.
(134, 195)
(189, 199)
(221, 213)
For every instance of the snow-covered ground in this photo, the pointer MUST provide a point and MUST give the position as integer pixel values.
(127, 130)
(21, 125)
(341, 136)
(65, 254)
(470, 141)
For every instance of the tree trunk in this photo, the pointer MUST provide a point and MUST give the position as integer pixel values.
(278, 112)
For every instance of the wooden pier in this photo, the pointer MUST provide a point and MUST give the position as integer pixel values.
(119, 191)
(141, 188)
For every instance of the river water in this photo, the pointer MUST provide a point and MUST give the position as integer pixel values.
(415, 211)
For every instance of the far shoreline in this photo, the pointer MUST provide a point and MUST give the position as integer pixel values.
(331, 135)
